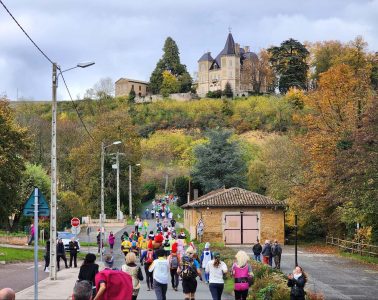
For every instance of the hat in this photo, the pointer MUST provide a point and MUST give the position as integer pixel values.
(190, 250)
(207, 245)
(216, 255)
(109, 260)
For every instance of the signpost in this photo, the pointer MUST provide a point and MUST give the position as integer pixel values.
(200, 227)
(37, 206)
(75, 222)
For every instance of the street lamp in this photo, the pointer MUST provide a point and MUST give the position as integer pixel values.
(53, 231)
(103, 147)
(130, 193)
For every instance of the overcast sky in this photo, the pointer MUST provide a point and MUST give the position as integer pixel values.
(125, 37)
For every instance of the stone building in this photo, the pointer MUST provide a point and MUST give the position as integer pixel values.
(123, 87)
(236, 217)
(233, 64)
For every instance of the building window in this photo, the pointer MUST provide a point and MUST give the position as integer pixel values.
(140, 87)
(132, 86)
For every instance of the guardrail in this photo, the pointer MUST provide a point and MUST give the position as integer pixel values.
(353, 247)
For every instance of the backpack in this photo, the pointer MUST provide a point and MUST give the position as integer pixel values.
(134, 244)
(149, 257)
(118, 284)
(189, 271)
(174, 263)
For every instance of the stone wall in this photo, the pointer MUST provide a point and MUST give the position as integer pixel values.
(271, 222)
(155, 98)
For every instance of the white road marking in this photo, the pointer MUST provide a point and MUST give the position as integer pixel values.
(32, 267)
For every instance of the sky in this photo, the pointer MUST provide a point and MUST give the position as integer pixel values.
(125, 38)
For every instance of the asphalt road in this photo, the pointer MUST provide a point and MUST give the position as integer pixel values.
(21, 275)
(333, 276)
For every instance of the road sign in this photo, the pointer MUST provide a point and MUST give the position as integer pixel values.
(76, 230)
(200, 227)
(43, 207)
(75, 222)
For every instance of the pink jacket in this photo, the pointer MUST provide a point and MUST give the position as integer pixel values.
(111, 239)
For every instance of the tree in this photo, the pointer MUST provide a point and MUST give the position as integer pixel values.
(266, 77)
(289, 62)
(102, 89)
(149, 191)
(14, 149)
(219, 163)
(170, 62)
(170, 84)
(182, 189)
(132, 95)
(228, 90)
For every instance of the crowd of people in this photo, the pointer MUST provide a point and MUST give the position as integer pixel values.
(269, 252)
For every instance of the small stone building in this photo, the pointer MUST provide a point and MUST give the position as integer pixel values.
(236, 217)
(123, 86)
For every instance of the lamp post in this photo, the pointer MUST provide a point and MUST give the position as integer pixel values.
(53, 231)
(130, 193)
(103, 147)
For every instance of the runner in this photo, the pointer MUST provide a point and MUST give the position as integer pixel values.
(146, 259)
(161, 270)
(174, 262)
(188, 271)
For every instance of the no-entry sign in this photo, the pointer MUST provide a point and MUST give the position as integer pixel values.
(75, 222)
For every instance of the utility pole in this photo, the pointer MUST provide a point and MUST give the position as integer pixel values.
(166, 183)
(130, 195)
(102, 195)
(296, 239)
(53, 232)
(118, 196)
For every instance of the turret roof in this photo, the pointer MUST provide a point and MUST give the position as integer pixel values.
(206, 57)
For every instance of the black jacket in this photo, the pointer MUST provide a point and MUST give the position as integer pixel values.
(88, 272)
(297, 287)
(73, 246)
(267, 250)
(60, 249)
(257, 249)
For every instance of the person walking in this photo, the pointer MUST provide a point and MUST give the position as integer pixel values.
(257, 249)
(276, 252)
(152, 213)
(188, 271)
(61, 253)
(134, 271)
(266, 252)
(206, 256)
(88, 271)
(297, 281)
(160, 267)
(111, 241)
(242, 273)
(74, 247)
(31, 234)
(216, 269)
(146, 259)
(113, 284)
(174, 263)
(47, 256)
(98, 238)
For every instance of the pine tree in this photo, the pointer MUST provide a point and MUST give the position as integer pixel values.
(228, 90)
(132, 95)
(219, 163)
(289, 62)
(170, 62)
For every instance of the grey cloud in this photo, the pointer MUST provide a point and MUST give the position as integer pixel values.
(125, 38)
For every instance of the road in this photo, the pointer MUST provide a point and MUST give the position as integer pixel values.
(20, 276)
(333, 276)
(202, 293)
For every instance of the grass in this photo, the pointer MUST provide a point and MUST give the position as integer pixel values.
(357, 257)
(88, 244)
(177, 211)
(8, 233)
(11, 255)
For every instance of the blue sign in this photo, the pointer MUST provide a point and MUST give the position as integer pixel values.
(43, 207)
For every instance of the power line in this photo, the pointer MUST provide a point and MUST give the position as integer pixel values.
(75, 106)
(23, 30)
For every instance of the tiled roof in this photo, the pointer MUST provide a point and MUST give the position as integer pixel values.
(132, 80)
(233, 197)
(229, 49)
(206, 57)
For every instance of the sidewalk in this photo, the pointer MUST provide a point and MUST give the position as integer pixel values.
(53, 289)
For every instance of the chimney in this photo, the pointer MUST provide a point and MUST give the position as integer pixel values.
(195, 194)
(246, 49)
(237, 48)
